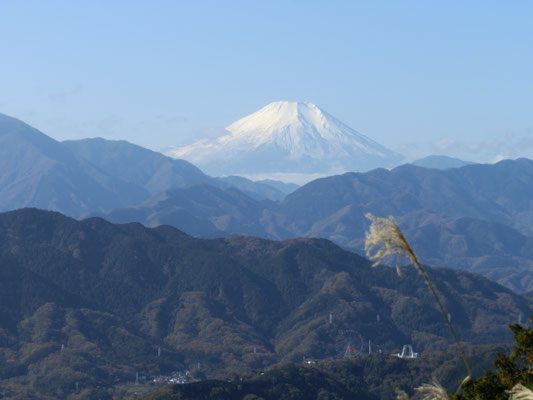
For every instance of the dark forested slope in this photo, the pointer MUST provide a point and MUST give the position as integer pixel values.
(92, 302)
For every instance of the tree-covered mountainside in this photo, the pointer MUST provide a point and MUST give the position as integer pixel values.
(493, 250)
(202, 210)
(500, 193)
(92, 302)
(477, 217)
(368, 377)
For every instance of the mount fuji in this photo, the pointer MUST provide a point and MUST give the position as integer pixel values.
(287, 139)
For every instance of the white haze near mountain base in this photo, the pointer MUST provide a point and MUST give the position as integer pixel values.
(289, 141)
(288, 177)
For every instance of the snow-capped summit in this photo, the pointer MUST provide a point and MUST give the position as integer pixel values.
(286, 138)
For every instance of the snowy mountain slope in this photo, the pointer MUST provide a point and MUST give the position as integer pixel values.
(288, 137)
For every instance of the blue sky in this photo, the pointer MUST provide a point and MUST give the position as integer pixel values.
(420, 77)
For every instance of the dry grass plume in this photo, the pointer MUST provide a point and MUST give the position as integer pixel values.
(385, 234)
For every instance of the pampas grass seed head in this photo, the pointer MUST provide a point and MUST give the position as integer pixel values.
(385, 233)
(520, 392)
(432, 391)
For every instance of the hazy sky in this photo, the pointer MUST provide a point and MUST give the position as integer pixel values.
(419, 77)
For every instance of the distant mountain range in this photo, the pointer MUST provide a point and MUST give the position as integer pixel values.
(500, 192)
(476, 217)
(487, 196)
(91, 302)
(200, 210)
(78, 177)
(287, 138)
(39, 171)
(440, 162)
(156, 173)
(136, 165)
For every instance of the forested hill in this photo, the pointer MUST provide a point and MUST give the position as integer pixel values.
(91, 302)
